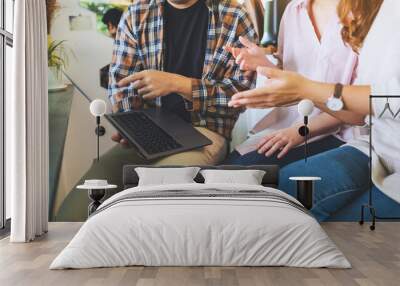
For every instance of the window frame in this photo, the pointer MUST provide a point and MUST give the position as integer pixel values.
(6, 39)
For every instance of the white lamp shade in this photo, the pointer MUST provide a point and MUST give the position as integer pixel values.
(305, 107)
(98, 107)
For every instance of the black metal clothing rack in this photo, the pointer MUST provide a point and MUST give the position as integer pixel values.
(369, 206)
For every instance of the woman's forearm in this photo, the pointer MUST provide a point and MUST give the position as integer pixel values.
(285, 88)
(355, 98)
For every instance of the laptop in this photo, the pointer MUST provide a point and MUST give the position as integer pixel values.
(156, 132)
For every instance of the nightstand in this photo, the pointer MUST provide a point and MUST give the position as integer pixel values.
(96, 192)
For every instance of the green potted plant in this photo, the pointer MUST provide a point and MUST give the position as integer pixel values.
(57, 61)
(56, 52)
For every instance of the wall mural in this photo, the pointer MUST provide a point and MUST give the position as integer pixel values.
(81, 44)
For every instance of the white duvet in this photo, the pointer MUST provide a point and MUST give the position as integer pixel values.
(202, 231)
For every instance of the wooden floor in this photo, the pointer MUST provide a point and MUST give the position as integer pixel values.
(375, 257)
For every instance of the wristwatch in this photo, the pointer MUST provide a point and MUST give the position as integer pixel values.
(335, 102)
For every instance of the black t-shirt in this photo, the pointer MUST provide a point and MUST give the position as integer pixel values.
(185, 33)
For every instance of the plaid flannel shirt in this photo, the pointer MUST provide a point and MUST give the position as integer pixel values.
(140, 45)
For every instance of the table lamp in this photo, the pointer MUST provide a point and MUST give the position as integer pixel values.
(305, 185)
(305, 109)
(98, 109)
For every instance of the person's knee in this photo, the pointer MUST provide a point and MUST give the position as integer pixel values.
(209, 155)
(344, 174)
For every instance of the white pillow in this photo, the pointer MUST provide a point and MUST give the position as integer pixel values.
(166, 176)
(245, 177)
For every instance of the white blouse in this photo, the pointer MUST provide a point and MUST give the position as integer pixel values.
(379, 66)
(326, 59)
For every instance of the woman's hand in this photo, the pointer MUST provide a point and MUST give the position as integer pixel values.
(283, 140)
(282, 88)
(249, 57)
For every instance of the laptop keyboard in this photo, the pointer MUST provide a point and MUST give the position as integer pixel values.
(146, 133)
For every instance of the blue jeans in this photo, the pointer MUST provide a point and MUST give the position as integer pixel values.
(345, 177)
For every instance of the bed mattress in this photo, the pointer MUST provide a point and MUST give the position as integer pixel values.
(201, 225)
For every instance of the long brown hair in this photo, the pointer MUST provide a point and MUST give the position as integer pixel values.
(357, 17)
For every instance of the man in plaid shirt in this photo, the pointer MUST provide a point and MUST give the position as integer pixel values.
(171, 53)
(137, 73)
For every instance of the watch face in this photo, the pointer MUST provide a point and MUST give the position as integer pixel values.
(335, 104)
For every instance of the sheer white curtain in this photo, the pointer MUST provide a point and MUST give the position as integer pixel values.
(27, 124)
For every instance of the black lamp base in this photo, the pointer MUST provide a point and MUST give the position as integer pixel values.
(95, 196)
(305, 191)
(100, 131)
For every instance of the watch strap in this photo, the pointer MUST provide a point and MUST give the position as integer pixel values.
(338, 91)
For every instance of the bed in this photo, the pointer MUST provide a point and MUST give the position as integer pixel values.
(198, 224)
